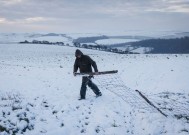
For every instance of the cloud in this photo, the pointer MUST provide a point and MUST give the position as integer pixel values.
(23, 21)
(74, 9)
(2, 20)
(10, 2)
(77, 14)
(170, 6)
(35, 19)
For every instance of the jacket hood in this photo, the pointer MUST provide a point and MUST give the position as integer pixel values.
(78, 52)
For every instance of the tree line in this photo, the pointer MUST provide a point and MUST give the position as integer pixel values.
(101, 48)
(43, 42)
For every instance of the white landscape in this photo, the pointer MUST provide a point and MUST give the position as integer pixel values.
(39, 94)
(115, 41)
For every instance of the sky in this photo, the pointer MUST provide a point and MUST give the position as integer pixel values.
(81, 16)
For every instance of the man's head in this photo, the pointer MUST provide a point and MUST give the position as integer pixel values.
(78, 53)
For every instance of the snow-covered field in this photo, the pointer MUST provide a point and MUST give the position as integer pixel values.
(15, 38)
(38, 93)
(51, 39)
(114, 41)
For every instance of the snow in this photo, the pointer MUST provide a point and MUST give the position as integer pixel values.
(15, 37)
(50, 39)
(90, 43)
(78, 35)
(114, 41)
(39, 78)
(142, 50)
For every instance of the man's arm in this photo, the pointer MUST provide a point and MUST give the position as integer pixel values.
(93, 63)
(75, 68)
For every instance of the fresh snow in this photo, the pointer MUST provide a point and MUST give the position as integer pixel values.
(38, 92)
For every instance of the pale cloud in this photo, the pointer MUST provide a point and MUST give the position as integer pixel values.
(34, 19)
(170, 9)
(170, 6)
(10, 2)
(178, 8)
(24, 21)
(2, 20)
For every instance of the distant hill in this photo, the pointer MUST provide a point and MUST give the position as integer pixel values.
(176, 45)
(89, 39)
(51, 34)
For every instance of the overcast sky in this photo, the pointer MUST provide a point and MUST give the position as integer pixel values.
(93, 15)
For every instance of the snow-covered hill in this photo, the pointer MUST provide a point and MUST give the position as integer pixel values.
(38, 93)
(114, 38)
(18, 37)
(114, 41)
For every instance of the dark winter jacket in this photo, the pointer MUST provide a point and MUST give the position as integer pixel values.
(85, 63)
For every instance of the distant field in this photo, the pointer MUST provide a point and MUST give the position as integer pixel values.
(112, 41)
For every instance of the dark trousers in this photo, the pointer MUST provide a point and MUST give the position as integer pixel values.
(87, 81)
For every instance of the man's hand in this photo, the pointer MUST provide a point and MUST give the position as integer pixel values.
(74, 73)
(96, 73)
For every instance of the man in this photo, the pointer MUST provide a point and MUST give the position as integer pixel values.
(85, 64)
